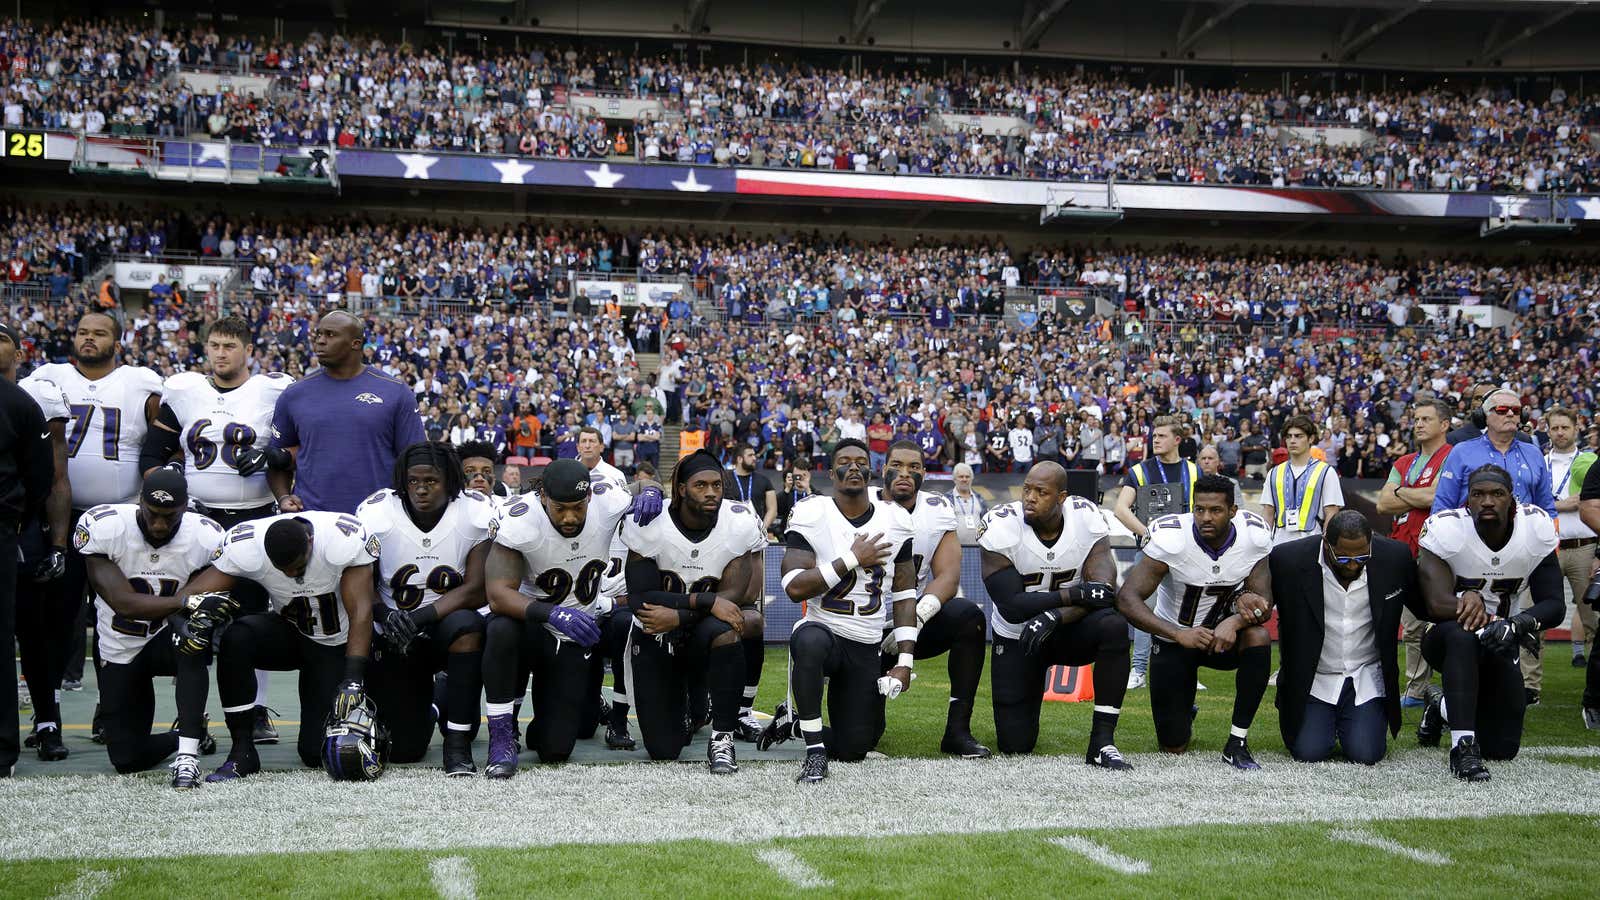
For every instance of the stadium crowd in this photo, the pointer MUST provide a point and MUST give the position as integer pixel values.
(112, 77)
(798, 345)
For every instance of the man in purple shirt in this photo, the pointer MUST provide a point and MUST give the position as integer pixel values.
(344, 423)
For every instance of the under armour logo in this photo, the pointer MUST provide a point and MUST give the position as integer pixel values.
(368, 398)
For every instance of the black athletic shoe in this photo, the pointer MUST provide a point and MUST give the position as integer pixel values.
(32, 740)
(749, 728)
(1579, 661)
(458, 754)
(50, 747)
(234, 769)
(964, 745)
(1108, 757)
(1466, 761)
(1237, 754)
(780, 729)
(815, 767)
(1532, 697)
(618, 737)
(720, 758)
(1431, 728)
(503, 750)
(265, 732)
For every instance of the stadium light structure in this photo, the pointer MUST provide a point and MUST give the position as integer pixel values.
(1070, 204)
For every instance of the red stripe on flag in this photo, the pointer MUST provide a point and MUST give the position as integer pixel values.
(790, 189)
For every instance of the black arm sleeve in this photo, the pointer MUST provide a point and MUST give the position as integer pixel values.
(644, 585)
(160, 445)
(1546, 586)
(1017, 605)
(38, 467)
(905, 554)
(794, 540)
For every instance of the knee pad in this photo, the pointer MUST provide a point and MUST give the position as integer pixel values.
(459, 623)
(810, 644)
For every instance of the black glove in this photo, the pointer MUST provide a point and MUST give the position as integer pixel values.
(1038, 630)
(53, 566)
(399, 629)
(1500, 638)
(252, 461)
(350, 695)
(1091, 595)
(217, 604)
(1527, 626)
(192, 634)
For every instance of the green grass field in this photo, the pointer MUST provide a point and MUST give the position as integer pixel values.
(911, 824)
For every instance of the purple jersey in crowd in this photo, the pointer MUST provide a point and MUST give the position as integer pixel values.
(349, 433)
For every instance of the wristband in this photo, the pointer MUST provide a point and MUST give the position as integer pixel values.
(791, 575)
(907, 594)
(702, 601)
(905, 633)
(928, 607)
(829, 576)
(849, 560)
(904, 661)
(355, 668)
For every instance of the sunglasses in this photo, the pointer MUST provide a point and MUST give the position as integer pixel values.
(1506, 410)
(1348, 560)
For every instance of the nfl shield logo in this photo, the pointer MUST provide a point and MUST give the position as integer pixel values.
(155, 557)
(427, 542)
(1050, 555)
(1215, 569)
(1494, 560)
(694, 554)
(574, 545)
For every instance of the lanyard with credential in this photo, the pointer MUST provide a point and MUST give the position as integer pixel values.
(745, 488)
(1564, 478)
(1161, 469)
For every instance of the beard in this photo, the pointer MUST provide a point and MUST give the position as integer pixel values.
(99, 359)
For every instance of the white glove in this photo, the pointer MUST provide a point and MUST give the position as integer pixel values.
(602, 606)
(890, 687)
(927, 608)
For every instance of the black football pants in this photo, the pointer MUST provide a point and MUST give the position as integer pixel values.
(402, 685)
(128, 703)
(1018, 678)
(268, 641)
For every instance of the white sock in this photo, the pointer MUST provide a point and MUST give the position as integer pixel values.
(188, 746)
(42, 726)
(1456, 737)
(1577, 648)
(500, 709)
(1240, 733)
(1444, 711)
(261, 687)
(458, 726)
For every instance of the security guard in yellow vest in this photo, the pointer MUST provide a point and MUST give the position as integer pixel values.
(1164, 467)
(1302, 493)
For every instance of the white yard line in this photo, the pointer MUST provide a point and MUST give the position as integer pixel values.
(291, 812)
(1560, 751)
(1367, 839)
(792, 868)
(89, 884)
(1105, 856)
(454, 878)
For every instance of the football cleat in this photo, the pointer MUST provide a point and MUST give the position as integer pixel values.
(1431, 728)
(617, 736)
(780, 729)
(72, 684)
(265, 732)
(51, 749)
(208, 744)
(720, 758)
(815, 767)
(502, 761)
(1237, 754)
(1108, 757)
(1466, 761)
(185, 772)
(964, 745)
(458, 754)
(1591, 718)
(233, 770)
(749, 727)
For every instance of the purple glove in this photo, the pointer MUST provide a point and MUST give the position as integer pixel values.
(577, 625)
(646, 506)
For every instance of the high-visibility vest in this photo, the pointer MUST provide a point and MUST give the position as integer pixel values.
(1142, 477)
(1310, 499)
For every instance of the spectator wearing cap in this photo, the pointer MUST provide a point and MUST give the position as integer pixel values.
(1530, 474)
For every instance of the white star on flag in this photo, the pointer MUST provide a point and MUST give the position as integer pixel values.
(511, 171)
(417, 164)
(1590, 207)
(208, 151)
(1510, 206)
(603, 177)
(691, 185)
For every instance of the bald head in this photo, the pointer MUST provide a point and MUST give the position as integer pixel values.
(1050, 473)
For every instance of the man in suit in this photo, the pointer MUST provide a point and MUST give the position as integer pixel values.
(1339, 596)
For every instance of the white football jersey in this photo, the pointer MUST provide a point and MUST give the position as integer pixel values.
(614, 583)
(562, 570)
(214, 426)
(105, 430)
(688, 566)
(312, 603)
(52, 401)
(416, 568)
(1196, 577)
(1501, 576)
(113, 532)
(1042, 567)
(932, 517)
(856, 608)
